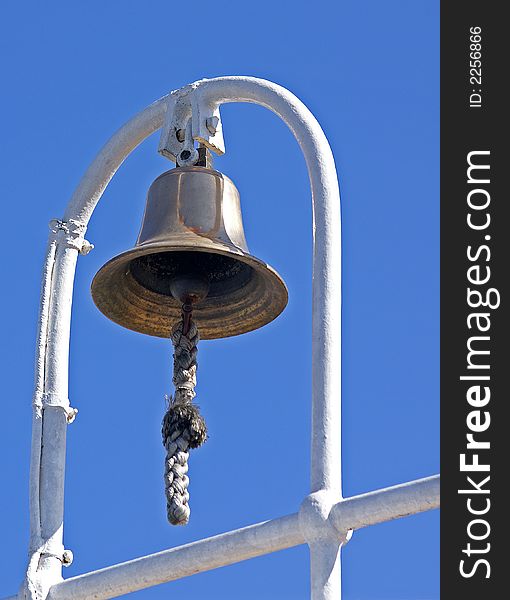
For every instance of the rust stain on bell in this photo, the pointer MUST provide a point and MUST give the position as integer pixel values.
(192, 226)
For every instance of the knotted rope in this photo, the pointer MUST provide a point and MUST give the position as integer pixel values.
(183, 426)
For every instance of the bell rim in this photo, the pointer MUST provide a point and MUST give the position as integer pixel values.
(268, 274)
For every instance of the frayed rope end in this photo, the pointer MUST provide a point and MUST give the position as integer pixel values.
(187, 420)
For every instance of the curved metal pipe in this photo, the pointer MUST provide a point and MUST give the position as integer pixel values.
(47, 461)
(326, 301)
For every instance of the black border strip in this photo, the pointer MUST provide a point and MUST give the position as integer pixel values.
(474, 257)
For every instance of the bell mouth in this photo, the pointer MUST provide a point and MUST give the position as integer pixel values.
(224, 275)
(133, 290)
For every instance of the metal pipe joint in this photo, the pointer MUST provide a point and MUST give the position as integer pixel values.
(315, 522)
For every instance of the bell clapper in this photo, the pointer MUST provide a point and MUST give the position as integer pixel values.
(187, 312)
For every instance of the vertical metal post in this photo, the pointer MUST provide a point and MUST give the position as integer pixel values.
(326, 465)
(325, 570)
(55, 416)
(326, 303)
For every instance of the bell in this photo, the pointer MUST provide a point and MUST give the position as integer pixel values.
(191, 250)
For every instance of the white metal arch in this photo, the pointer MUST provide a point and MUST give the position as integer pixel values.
(325, 519)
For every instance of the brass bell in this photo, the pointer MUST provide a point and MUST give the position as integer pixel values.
(191, 249)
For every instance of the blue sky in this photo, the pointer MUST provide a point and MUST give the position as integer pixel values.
(72, 74)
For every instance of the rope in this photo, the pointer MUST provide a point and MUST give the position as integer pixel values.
(183, 426)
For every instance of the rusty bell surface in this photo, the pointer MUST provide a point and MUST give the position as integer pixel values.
(192, 228)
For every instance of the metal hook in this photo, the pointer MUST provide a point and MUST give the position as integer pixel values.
(187, 311)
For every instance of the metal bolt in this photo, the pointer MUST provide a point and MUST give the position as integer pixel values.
(212, 124)
(67, 558)
(86, 248)
(185, 154)
(71, 414)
